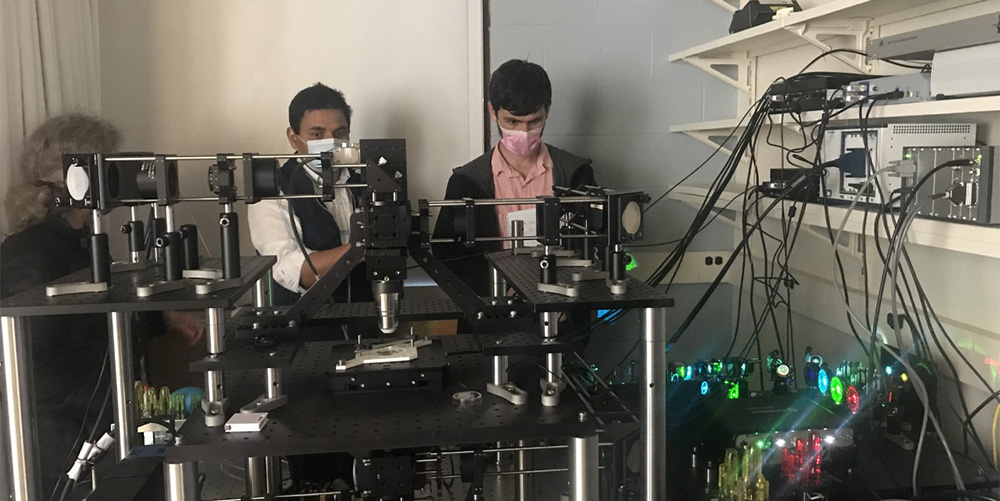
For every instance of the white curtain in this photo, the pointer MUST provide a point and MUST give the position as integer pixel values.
(48, 64)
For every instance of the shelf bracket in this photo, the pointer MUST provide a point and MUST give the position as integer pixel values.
(856, 29)
(730, 8)
(742, 63)
(706, 138)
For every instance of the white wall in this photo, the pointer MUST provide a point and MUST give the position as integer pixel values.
(615, 96)
(195, 77)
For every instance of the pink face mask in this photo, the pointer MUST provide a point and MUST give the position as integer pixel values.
(519, 142)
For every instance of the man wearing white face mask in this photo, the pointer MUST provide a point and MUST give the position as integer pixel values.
(318, 117)
(520, 166)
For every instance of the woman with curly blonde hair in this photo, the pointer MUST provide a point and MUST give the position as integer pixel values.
(41, 162)
(49, 243)
(68, 351)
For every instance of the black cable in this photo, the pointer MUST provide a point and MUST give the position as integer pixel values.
(897, 239)
(840, 269)
(716, 216)
(980, 407)
(68, 486)
(295, 230)
(705, 162)
(924, 67)
(957, 495)
(929, 310)
(725, 268)
(83, 423)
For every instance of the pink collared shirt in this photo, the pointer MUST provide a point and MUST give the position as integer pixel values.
(508, 183)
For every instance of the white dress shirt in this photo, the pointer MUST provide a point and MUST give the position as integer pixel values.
(271, 230)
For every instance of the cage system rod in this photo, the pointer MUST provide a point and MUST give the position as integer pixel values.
(509, 239)
(239, 198)
(458, 202)
(213, 158)
(506, 449)
(435, 476)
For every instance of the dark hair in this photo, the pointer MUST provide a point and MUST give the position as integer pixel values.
(317, 97)
(520, 87)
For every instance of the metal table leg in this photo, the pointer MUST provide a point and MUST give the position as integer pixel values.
(215, 395)
(262, 291)
(584, 468)
(265, 472)
(553, 361)
(120, 333)
(20, 412)
(255, 477)
(654, 404)
(525, 487)
(180, 482)
(272, 474)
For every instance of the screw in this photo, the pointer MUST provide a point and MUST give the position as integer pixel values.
(353, 379)
(57, 201)
(291, 323)
(498, 341)
(256, 325)
(260, 312)
(273, 353)
(493, 302)
(387, 383)
(479, 316)
(582, 416)
(550, 392)
(513, 314)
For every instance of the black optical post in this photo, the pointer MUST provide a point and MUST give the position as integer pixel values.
(162, 178)
(87, 186)
(224, 185)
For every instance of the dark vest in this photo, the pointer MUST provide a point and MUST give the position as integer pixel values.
(319, 232)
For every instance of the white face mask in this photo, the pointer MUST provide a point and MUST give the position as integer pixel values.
(319, 146)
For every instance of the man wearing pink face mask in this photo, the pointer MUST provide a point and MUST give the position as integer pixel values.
(520, 166)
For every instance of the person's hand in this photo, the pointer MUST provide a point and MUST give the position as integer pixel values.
(190, 324)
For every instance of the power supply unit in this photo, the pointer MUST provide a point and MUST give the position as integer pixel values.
(847, 179)
(973, 190)
(910, 88)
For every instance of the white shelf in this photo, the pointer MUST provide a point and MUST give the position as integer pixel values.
(956, 237)
(712, 125)
(778, 34)
(965, 106)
